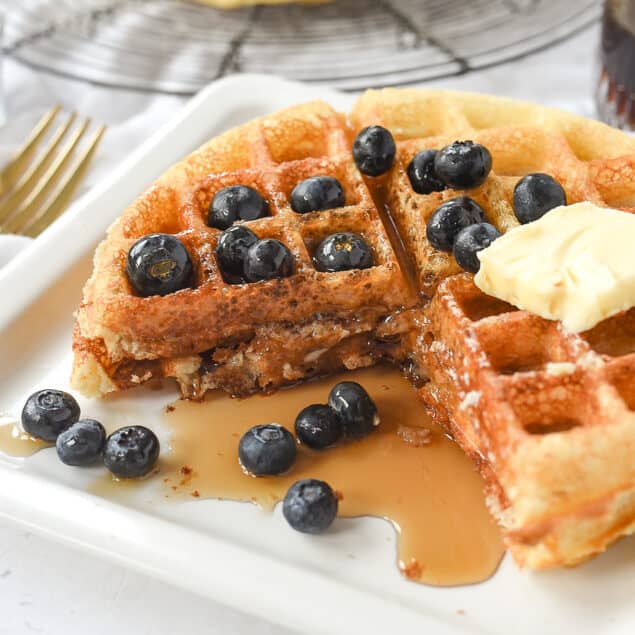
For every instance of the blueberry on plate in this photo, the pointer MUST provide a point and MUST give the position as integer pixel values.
(463, 164)
(267, 259)
(131, 452)
(234, 203)
(82, 443)
(535, 195)
(342, 252)
(450, 218)
(374, 151)
(49, 412)
(310, 506)
(470, 241)
(231, 251)
(318, 426)
(317, 193)
(159, 264)
(267, 450)
(355, 408)
(423, 178)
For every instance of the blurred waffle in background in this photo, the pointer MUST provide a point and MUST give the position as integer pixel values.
(236, 4)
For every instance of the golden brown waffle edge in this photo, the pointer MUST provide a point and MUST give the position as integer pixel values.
(548, 416)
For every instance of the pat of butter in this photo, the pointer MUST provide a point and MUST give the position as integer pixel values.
(575, 264)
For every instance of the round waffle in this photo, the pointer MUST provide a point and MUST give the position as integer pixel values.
(547, 417)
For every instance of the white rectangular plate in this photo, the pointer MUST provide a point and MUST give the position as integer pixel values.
(346, 581)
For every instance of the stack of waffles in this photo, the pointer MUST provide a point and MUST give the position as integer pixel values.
(244, 338)
(545, 415)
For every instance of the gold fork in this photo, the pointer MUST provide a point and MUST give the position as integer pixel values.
(35, 190)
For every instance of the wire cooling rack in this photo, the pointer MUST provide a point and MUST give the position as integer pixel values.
(176, 46)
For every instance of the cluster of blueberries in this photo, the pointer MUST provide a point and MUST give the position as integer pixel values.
(310, 505)
(458, 225)
(242, 257)
(159, 264)
(53, 416)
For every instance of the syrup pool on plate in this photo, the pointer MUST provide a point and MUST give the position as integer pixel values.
(406, 471)
(15, 442)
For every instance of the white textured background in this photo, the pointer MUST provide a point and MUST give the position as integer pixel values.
(46, 588)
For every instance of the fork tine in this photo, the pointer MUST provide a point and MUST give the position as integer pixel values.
(11, 172)
(29, 179)
(28, 208)
(65, 190)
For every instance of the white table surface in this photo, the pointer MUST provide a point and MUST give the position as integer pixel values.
(46, 588)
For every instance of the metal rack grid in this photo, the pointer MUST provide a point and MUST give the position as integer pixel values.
(177, 46)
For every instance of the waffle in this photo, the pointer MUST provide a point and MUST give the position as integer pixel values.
(591, 161)
(548, 417)
(263, 335)
(483, 368)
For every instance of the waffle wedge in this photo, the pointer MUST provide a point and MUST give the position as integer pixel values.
(548, 417)
(257, 337)
(243, 337)
(592, 161)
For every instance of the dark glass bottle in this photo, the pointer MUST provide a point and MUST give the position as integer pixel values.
(616, 85)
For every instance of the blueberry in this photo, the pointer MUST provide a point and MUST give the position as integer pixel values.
(423, 178)
(535, 195)
(318, 426)
(234, 203)
(49, 412)
(267, 259)
(355, 408)
(450, 218)
(341, 252)
(131, 452)
(317, 193)
(267, 450)
(310, 506)
(470, 241)
(159, 264)
(82, 443)
(231, 251)
(463, 164)
(374, 150)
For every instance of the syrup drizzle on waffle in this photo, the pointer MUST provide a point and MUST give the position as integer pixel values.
(406, 264)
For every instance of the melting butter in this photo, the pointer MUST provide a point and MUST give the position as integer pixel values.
(575, 264)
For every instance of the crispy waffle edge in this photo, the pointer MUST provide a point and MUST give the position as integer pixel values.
(551, 427)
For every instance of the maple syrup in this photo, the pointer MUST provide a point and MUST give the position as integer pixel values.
(15, 442)
(406, 471)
